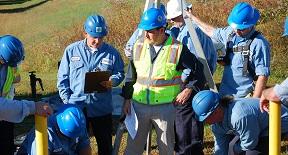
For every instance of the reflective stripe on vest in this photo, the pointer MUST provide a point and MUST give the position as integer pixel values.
(138, 49)
(158, 82)
(8, 83)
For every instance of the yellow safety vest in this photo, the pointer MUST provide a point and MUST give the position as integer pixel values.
(11, 74)
(158, 82)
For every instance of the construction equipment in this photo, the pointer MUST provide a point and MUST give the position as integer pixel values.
(275, 128)
(33, 81)
(198, 48)
(41, 135)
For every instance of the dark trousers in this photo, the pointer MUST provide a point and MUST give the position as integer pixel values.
(188, 132)
(7, 138)
(262, 147)
(102, 130)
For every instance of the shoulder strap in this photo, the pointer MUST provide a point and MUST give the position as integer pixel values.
(246, 53)
(174, 51)
(252, 37)
(229, 49)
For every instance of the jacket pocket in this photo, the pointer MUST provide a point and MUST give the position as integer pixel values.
(76, 69)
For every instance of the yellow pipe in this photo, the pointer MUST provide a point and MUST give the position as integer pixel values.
(41, 135)
(274, 128)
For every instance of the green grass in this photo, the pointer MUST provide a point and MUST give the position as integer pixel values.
(16, 4)
(44, 31)
(48, 28)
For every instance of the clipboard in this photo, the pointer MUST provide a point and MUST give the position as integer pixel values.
(93, 79)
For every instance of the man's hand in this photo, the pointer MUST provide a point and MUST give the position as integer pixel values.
(267, 95)
(127, 107)
(43, 109)
(264, 104)
(106, 84)
(183, 96)
(190, 15)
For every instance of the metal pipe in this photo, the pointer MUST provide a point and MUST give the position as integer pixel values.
(274, 128)
(41, 135)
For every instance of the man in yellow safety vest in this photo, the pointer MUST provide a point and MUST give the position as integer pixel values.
(153, 83)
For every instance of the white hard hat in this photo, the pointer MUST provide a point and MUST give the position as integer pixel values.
(174, 9)
(189, 5)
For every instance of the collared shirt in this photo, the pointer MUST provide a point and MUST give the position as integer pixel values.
(76, 62)
(233, 81)
(187, 61)
(281, 90)
(57, 143)
(243, 118)
(15, 111)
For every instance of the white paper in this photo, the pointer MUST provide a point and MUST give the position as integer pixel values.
(131, 123)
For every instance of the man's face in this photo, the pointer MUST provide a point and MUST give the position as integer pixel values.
(93, 42)
(154, 36)
(177, 21)
(243, 32)
(215, 117)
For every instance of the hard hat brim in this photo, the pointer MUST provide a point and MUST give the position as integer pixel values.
(174, 14)
(242, 26)
(96, 35)
(203, 118)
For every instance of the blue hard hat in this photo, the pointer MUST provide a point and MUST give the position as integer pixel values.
(71, 121)
(286, 27)
(243, 16)
(161, 7)
(11, 50)
(152, 18)
(95, 26)
(204, 103)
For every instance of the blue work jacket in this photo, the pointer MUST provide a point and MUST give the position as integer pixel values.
(15, 111)
(76, 62)
(233, 82)
(281, 90)
(243, 118)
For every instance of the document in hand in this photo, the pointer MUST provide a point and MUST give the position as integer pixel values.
(93, 80)
(131, 122)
